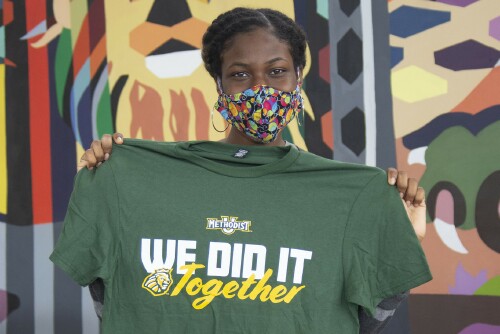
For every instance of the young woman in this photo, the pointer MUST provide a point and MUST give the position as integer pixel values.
(247, 235)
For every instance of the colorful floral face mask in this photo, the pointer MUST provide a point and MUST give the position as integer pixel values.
(261, 111)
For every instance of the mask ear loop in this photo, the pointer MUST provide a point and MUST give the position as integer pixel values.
(219, 90)
(299, 83)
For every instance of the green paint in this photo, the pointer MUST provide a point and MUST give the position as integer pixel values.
(104, 119)
(459, 157)
(322, 8)
(62, 66)
(2, 42)
(490, 288)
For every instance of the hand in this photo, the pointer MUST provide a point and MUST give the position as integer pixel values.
(413, 198)
(99, 151)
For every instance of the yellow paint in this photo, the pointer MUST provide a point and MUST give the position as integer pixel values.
(79, 153)
(78, 12)
(3, 144)
(413, 84)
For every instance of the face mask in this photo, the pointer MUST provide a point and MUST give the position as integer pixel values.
(261, 111)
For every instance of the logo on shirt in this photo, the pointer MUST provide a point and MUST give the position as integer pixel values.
(241, 153)
(228, 225)
(158, 282)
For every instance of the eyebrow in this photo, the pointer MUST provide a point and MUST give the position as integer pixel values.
(267, 62)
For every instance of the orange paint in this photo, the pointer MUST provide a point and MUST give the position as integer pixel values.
(483, 95)
(97, 56)
(148, 36)
(81, 51)
(327, 129)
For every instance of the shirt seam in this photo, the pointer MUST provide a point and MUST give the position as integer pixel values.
(410, 281)
(115, 263)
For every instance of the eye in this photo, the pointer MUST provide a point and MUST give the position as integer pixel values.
(240, 75)
(278, 71)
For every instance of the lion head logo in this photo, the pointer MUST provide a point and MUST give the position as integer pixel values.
(158, 282)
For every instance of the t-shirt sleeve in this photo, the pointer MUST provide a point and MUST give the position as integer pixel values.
(85, 249)
(381, 253)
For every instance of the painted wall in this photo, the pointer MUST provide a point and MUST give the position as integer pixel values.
(73, 70)
(446, 94)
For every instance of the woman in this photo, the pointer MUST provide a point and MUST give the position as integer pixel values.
(249, 234)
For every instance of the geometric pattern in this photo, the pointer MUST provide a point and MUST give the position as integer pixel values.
(353, 131)
(322, 8)
(359, 109)
(397, 55)
(467, 55)
(460, 3)
(348, 6)
(407, 21)
(412, 84)
(494, 29)
(350, 56)
(324, 63)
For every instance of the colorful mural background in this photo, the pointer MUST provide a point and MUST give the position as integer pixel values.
(446, 94)
(71, 71)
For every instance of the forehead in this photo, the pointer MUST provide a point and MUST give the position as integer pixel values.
(255, 47)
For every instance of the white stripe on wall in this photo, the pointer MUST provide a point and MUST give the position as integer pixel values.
(370, 107)
(43, 244)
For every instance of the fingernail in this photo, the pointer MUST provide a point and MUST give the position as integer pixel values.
(392, 180)
(98, 164)
(90, 168)
(401, 195)
(120, 139)
(106, 156)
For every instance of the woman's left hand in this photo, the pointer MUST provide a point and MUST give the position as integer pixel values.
(413, 198)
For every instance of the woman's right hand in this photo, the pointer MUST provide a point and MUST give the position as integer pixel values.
(99, 151)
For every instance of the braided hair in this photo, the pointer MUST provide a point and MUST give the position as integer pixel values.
(221, 32)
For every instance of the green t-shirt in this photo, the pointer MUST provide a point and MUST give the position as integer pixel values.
(206, 237)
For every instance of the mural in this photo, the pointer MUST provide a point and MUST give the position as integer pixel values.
(71, 71)
(445, 78)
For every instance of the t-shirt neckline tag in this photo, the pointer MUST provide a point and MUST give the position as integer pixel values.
(241, 153)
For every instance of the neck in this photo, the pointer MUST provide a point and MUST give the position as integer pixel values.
(236, 137)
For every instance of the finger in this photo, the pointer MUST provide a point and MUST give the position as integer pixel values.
(118, 138)
(82, 163)
(392, 174)
(107, 145)
(411, 191)
(90, 158)
(402, 182)
(419, 197)
(97, 149)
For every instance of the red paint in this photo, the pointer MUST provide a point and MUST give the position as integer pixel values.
(81, 50)
(327, 129)
(41, 177)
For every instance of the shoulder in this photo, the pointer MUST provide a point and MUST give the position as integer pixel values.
(131, 146)
(311, 162)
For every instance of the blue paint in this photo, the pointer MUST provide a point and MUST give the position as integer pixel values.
(407, 21)
(397, 54)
